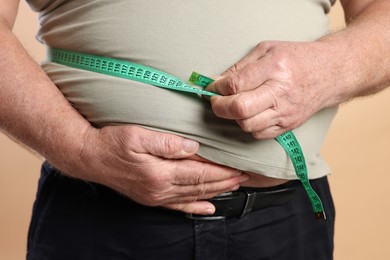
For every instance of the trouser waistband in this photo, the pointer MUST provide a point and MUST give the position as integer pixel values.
(241, 202)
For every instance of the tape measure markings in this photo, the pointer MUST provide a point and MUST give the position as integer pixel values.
(137, 72)
(200, 80)
(122, 69)
(292, 147)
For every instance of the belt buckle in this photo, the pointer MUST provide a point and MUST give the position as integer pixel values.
(250, 199)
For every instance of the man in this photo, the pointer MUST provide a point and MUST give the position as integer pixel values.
(266, 104)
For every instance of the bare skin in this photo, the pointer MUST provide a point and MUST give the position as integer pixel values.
(280, 85)
(148, 167)
(254, 179)
(276, 88)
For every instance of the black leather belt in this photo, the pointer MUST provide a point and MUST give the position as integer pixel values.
(239, 203)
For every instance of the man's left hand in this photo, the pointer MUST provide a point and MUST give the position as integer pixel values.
(275, 88)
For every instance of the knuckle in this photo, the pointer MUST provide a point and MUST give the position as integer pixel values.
(260, 45)
(281, 60)
(165, 144)
(286, 123)
(171, 144)
(192, 198)
(245, 125)
(201, 176)
(130, 137)
(180, 207)
(153, 179)
(201, 190)
(200, 184)
(234, 84)
(282, 122)
(129, 134)
(241, 108)
(155, 191)
(259, 135)
(233, 69)
(266, 47)
(290, 120)
(283, 66)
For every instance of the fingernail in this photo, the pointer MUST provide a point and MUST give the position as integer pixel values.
(210, 211)
(190, 146)
(236, 187)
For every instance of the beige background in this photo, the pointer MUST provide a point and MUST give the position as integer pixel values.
(356, 148)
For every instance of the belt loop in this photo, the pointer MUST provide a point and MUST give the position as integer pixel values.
(250, 199)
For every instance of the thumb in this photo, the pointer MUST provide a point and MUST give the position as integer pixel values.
(166, 145)
(195, 207)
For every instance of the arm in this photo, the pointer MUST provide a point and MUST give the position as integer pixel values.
(30, 103)
(366, 44)
(280, 85)
(134, 161)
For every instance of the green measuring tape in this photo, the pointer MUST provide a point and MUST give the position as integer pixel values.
(151, 76)
(291, 145)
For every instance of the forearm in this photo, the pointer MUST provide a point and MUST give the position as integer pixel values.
(32, 110)
(357, 61)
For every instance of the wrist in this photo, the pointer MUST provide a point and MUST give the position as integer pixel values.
(71, 154)
(338, 61)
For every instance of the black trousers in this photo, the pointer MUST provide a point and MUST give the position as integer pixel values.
(74, 220)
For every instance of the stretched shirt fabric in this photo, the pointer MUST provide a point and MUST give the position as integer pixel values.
(179, 36)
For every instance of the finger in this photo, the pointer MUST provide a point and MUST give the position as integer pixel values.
(266, 125)
(244, 75)
(243, 105)
(181, 194)
(164, 145)
(269, 133)
(186, 199)
(251, 76)
(193, 172)
(196, 207)
(174, 199)
(200, 190)
(259, 122)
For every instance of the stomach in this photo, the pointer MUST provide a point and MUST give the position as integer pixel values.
(178, 37)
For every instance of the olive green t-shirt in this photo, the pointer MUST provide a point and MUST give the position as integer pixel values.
(179, 36)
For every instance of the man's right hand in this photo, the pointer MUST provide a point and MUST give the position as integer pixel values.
(149, 167)
(152, 168)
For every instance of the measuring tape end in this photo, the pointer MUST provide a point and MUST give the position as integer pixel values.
(320, 215)
(194, 78)
(200, 80)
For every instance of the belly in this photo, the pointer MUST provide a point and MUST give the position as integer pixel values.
(178, 37)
